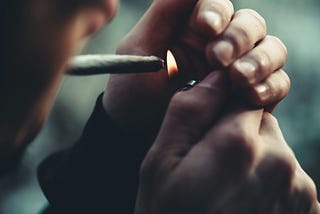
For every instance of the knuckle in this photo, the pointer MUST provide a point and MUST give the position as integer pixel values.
(223, 11)
(238, 136)
(285, 165)
(239, 36)
(230, 5)
(284, 88)
(246, 29)
(270, 118)
(276, 40)
(221, 6)
(263, 62)
(286, 155)
(227, 9)
(154, 165)
(187, 104)
(196, 103)
(281, 165)
(256, 16)
(277, 171)
(244, 72)
(148, 166)
(279, 85)
(286, 80)
(305, 198)
(316, 209)
(237, 143)
(305, 189)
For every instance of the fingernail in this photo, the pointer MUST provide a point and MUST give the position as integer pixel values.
(263, 91)
(213, 19)
(223, 51)
(213, 79)
(247, 69)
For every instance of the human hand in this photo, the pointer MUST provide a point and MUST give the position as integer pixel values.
(203, 36)
(205, 161)
(39, 38)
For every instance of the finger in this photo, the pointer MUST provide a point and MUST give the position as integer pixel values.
(208, 20)
(160, 22)
(267, 57)
(211, 17)
(271, 90)
(191, 112)
(245, 30)
(188, 115)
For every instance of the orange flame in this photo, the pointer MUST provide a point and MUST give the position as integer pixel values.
(172, 66)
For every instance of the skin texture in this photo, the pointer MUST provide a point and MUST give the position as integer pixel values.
(211, 145)
(201, 43)
(205, 161)
(203, 157)
(46, 34)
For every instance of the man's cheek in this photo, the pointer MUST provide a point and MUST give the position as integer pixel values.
(106, 7)
(109, 8)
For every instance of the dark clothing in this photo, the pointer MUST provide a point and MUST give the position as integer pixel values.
(99, 174)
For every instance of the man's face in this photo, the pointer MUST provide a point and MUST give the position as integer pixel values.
(46, 33)
(38, 39)
(108, 7)
(53, 30)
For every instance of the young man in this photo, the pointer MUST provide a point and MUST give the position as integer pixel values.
(214, 151)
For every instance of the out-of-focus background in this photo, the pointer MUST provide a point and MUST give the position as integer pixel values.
(294, 21)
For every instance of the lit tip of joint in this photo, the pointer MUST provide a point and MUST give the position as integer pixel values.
(116, 64)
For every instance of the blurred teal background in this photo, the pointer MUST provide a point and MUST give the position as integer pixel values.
(294, 21)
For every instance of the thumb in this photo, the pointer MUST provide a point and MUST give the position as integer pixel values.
(191, 113)
(154, 31)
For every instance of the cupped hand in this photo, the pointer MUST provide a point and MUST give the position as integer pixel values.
(207, 159)
(203, 36)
